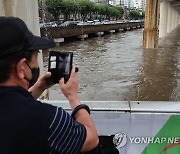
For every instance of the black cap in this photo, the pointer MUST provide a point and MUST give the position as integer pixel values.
(15, 36)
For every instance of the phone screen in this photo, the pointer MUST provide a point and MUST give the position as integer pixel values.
(64, 64)
(60, 65)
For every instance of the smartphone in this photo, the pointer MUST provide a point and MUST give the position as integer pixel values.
(60, 65)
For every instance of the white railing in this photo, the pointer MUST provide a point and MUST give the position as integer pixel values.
(125, 106)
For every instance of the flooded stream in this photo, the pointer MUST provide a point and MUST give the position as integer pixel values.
(115, 67)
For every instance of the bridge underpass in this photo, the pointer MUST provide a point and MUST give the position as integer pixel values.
(162, 16)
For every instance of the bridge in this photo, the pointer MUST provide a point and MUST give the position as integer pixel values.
(162, 16)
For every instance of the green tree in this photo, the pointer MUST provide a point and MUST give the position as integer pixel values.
(69, 7)
(86, 7)
(111, 12)
(108, 12)
(102, 11)
(136, 14)
(121, 11)
(117, 12)
(142, 14)
(53, 8)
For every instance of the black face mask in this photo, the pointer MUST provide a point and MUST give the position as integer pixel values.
(35, 75)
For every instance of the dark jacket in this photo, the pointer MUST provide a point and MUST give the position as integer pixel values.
(24, 122)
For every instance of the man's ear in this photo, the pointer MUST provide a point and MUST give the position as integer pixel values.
(21, 68)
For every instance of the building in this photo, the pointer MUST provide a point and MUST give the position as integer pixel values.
(143, 4)
(101, 1)
(139, 4)
(126, 3)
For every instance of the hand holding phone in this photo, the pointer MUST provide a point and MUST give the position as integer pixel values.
(60, 65)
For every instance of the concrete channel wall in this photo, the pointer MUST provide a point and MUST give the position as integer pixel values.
(62, 32)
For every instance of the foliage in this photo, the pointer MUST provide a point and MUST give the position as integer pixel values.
(136, 14)
(101, 9)
(52, 7)
(86, 8)
(68, 7)
(117, 12)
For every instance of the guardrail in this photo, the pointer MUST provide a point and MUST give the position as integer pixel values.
(125, 106)
(138, 126)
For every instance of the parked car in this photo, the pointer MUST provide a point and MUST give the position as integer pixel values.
(89, 22)
(105, 22)
(96, 22)
(42, 24)
(69, 23)
(48, 24)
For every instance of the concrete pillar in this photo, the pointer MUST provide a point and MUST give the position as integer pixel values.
(173, 18)
(27, 10)
(163, 18)
(58, 41)
(176, 18)
(82, 37)
(100, 34)
(169, 16)
(112, 31)
(151, 31)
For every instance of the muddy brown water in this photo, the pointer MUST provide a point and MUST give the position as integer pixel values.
(115, 67)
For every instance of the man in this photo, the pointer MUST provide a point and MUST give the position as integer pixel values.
(28, 126)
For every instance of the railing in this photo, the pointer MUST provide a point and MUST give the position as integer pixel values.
(139, 127)
(125, 106)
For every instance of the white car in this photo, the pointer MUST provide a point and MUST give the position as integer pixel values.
(48, 24)
(69, 23)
